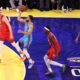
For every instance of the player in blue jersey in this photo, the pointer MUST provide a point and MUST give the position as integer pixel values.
(27, 38)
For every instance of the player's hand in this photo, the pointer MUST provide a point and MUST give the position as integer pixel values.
(20, 31)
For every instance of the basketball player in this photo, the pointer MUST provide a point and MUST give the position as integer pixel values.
(6, 33)
(27, 38)
(52, 52)
(67, 4)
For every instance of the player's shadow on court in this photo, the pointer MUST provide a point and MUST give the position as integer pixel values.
(50, 77)
(57, 74)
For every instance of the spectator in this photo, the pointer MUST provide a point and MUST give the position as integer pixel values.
(3, 5)
(25, 2)
(67, 5)
(54, 4)
(31, 4)
(1, 2)
(47, 4)
(76, 4)
(44, 4)
(12, 3)
(59, 4)
(41, 5)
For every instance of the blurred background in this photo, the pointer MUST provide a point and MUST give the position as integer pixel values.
(42, 4)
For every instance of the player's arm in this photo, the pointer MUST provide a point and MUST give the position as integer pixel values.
(9, 26)
(27, 32)
(77, 38)
(52, 40)
(21, 19)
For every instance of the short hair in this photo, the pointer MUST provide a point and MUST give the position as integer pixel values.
(48, 27)
(31, 17)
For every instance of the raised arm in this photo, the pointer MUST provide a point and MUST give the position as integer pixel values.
(21, 19)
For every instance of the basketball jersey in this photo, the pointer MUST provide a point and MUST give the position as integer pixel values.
(25, 37)
(4, 30)
(26, 28)
(55, 44)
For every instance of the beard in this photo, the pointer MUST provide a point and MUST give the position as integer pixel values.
(27, 20)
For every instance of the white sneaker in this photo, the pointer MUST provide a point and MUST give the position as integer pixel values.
(31, 65)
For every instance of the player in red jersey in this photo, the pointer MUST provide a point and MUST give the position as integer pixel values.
(6, 33)
(52, 52)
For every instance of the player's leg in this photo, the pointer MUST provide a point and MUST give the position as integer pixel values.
(17, 48)
(47, 62)
(63, 66)
(25, 50)
(56, 63)
(31, 62)
(1, 43)
(19, 43)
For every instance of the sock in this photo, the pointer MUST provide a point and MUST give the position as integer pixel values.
(27, 55)
(47, 63)
(49, 68)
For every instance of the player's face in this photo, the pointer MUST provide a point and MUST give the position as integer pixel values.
(28, 18)
(45, 30)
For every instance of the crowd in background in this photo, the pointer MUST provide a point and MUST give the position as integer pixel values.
(42, 4)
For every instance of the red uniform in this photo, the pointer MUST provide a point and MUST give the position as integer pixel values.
(4, 31)
(54, 47)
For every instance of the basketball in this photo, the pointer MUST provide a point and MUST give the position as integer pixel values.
(23, 8)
